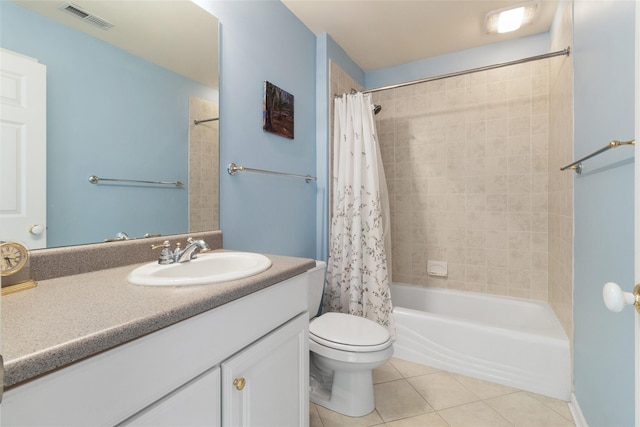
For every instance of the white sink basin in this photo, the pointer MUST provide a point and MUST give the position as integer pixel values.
(214, 267)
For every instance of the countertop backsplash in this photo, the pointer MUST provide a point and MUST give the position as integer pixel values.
(67, 261)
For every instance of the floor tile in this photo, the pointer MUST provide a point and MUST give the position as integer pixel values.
(560, 406)
(385, 373)
(426, 420)
(483, 389)
(333, 419)
(314, 416)
(409, 369)
(397, 399)
(411, 395)
(441, 390)
(476, 414)
(523, 410)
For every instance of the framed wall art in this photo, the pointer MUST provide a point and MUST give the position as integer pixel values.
(277, 111)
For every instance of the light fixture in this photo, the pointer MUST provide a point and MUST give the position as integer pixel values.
(511, 18)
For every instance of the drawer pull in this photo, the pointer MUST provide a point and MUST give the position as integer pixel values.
(239, 383)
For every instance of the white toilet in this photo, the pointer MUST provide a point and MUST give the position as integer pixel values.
(344, 349)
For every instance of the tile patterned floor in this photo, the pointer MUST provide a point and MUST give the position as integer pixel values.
(412, 395)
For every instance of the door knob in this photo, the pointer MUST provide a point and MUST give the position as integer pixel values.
(36, 229)
(239, 383)
(615, 298)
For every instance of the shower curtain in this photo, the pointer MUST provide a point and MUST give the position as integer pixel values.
(358, 269)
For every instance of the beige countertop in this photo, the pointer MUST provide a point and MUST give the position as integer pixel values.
(69, 318)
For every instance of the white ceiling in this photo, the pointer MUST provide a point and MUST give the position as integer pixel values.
(374, 33)
(178, 34)
(383, 33)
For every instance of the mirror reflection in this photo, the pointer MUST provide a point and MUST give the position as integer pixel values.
(120, 103)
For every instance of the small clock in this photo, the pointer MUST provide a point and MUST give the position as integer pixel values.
(13, 258)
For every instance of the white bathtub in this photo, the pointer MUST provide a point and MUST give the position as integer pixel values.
(510, 341)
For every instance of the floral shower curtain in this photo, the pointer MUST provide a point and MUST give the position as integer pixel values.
(359, 266)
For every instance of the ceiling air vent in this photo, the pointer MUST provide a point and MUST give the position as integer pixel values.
(88, 17)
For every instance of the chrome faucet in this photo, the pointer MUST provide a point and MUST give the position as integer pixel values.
(188, 253)
(167, 256)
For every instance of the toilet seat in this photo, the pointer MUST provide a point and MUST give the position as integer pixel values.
(347, 332)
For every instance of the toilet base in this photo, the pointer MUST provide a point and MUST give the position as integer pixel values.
(351, 394)
(341, 378)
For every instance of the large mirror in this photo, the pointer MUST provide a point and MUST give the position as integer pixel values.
(120, 105)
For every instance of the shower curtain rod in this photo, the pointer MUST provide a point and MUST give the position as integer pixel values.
(566, 52)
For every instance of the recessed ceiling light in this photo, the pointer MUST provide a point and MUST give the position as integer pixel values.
(511, 18)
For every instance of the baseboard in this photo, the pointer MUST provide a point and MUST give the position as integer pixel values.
(576, 412)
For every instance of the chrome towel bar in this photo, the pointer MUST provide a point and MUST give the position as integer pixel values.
(233, 169)
(94, 180)
(197, 122)
(577, 165)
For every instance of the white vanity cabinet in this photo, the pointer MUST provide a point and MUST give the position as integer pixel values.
(272, 373)
(197, 403)
(183, 374)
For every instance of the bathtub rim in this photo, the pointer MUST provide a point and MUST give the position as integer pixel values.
(552, 379)
(555, 331)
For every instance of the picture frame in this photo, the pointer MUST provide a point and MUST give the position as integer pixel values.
(277, 111)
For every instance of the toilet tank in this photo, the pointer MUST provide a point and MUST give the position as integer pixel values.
(315, 278)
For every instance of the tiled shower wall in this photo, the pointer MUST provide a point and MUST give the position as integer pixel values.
(340, 83)
(204, 196)
(466, 162)
(474, 180)
(561, 183)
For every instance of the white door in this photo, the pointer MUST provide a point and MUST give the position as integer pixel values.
(267, 383)
(23, 150)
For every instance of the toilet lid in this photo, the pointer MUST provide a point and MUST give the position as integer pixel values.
(342, 330)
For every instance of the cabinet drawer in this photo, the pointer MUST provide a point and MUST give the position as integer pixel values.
(197, 403)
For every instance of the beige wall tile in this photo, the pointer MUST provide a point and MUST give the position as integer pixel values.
(466, 175)
(560, 184)
(472, 167)
(203, 174)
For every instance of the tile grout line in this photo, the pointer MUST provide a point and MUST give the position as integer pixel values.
(544, 401)
(479, 399)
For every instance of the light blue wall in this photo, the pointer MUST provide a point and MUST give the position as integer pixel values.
(323, 97)
(113, 115)
(603, 55)
(467, 59)
(263, 40)
(327, 50)
(336, 54)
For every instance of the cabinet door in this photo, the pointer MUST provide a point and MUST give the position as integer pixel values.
(267, 384)
(196, 404)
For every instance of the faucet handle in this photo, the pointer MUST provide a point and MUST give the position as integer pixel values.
(166, 256)
(164, 244)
